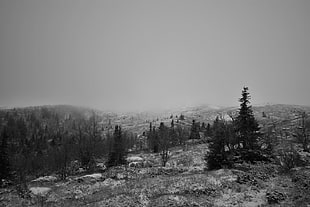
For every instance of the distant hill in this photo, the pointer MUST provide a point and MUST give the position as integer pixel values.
(138, 122)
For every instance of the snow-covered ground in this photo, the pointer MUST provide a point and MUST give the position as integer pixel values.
(183, 183)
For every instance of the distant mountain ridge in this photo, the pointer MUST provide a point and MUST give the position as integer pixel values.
(139, 121)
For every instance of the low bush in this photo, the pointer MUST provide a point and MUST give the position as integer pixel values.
(274, 196)
(289, 158)
(301, 191)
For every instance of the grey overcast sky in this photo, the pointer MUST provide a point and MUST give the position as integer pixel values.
(140, 55)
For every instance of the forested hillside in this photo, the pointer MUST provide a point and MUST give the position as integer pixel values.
(46, 150)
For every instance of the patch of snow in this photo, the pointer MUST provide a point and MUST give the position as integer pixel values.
(45, 179)
(95, 176)
(39, 190)
(134, 159)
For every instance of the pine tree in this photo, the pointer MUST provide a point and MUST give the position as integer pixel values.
(182, 117)
(164, 142)
(4, 157)
(194, 131)
(155, 141)
(203, 126)
(118, 152)
(173, 134)
(218, 156)
(150, 137)
(208, 131)
(247, 127)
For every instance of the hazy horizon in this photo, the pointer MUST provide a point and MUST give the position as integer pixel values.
(151, 55)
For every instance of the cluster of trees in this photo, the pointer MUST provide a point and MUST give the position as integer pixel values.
(162, 138)
(40, 141)
(239, 139)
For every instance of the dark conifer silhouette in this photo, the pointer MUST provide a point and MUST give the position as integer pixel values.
(247, 128)
(164, 142)
(194, 131)
(4, 157)
(117, 155)
(219, 154)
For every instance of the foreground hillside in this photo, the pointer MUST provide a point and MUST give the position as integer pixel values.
(184, 182)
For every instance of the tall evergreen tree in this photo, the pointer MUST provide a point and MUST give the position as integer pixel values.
(208, 130)
(150, 137)
(118, 152)
(172, 133)
(195, 131)
(155, 140)
(218, 155)
(4, 157)
(182, 117)
(246, 125)
(164, 142)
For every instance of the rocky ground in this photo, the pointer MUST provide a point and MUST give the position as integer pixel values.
(183, 183)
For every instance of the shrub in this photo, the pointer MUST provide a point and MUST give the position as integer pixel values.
(301, 191)
(275, 196)
(288, 159)
(216, 161)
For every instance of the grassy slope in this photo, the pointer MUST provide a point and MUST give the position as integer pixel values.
(187, 184)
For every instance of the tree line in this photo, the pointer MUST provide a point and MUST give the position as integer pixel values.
(40, 141)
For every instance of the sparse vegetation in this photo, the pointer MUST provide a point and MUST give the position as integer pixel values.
(249, 159)
(288, 158)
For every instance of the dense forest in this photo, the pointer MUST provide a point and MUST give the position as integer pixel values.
(41, 140)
